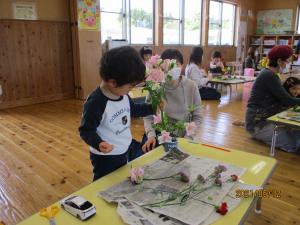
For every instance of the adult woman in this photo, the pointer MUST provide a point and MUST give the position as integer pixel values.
(267, 98)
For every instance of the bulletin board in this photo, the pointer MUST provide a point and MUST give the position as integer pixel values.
(274, 21)
(88, 14)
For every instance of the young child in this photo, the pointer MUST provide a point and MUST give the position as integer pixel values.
(250, 60)
(146, 53)
(292, 86)
(216, 64)
(181, 93)
(105, 123)
(193, 72)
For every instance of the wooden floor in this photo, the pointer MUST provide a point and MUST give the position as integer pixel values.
(42, 158)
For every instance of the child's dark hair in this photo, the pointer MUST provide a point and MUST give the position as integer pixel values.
(172, 54)
(291, 82)
(196, 55)
(216, 54)
(124, 65)
(145, 50)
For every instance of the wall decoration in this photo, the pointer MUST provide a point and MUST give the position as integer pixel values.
(88, 14)
(24, 11)
(274, 21)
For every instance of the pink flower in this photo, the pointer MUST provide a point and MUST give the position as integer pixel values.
(164, 137)
(190, 128)
(157, 118)
(136, 175)
(154, 60)
(156, 75)
(165, 65)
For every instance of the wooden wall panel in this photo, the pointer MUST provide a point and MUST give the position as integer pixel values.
(35, 62)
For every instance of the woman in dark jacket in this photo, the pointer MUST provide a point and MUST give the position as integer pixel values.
(267, 98)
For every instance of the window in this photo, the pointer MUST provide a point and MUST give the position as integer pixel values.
(182, 21)
(221, 23)
(127, 19)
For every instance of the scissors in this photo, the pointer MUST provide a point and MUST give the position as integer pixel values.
(50, 213)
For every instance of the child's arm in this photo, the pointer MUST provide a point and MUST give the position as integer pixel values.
(196, 115)
(90, 120)
(140, 109)
(195, 75)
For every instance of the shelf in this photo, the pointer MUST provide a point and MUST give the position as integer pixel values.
(271, 41)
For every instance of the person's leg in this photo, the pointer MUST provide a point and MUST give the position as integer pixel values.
(208, 93)
(105, 164)
(287, 139)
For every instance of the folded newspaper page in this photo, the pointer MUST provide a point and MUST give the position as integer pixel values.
(163, 199)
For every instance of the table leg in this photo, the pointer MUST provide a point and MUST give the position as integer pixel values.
(258, 206)
(273, 144)
(230, 90)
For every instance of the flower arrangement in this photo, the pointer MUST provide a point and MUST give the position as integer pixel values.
(157, 75)
(191, 190)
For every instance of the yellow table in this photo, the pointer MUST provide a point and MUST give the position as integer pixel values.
(137, 93)
(279, 122)
(259, 170)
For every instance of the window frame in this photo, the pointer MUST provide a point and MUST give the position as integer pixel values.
(181, 24)
(220, 33)
(126, 21)
(298, 20)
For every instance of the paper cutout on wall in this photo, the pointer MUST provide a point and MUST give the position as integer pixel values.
(274, 21)
(88, 14)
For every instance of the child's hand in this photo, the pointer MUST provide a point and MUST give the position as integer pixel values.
(149, 145)
(161, 106)
(105, 147)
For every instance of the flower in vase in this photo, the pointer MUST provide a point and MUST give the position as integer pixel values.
(156, 75)
(154, 60)
(164, 137)
(190, 128)
(222, 209)
(157, 118)
(136, 175)
(165, 65)
(234, 177)
(184, 176)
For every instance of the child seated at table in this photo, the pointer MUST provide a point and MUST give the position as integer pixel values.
(216, 65)
(195, 73)
(146, 53)
(181, 93)
(292, 86)
(107, 112)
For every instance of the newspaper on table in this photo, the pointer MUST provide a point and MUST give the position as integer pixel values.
(134, 201)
